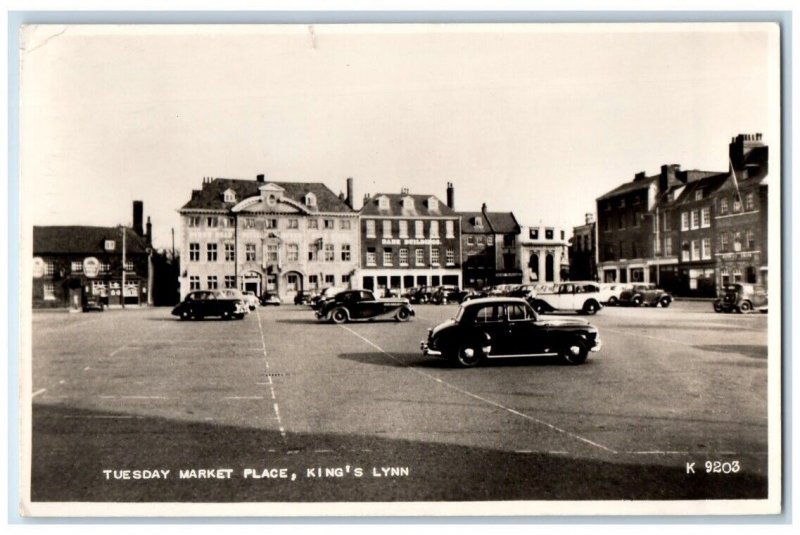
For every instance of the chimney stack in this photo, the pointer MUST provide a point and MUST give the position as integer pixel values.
(403, 191)
(349, 199)
(589, 218)
(138, 211)
(451, 196)
(149, 235)
(259, 178)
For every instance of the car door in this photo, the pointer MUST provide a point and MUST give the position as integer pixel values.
(523, 335)
(490, 319)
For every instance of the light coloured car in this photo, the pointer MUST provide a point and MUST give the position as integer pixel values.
(250, 300)
(582, 297)
(610, 292)
(233, 293)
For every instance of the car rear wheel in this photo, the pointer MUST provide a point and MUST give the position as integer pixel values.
(637, 301)
(226, 315)
(590, 308)
(717, 307)
(575, 352)
(665, 301)
(339, 315)
(745, 306)
(538, 307)
(468, 356)
(612, 301)
(423, 299)
(185, 315)
(403, 315)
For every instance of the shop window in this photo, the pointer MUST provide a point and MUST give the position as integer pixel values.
(76, 267)
(49, 292)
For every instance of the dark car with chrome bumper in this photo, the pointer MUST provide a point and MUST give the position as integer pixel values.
(504, 327)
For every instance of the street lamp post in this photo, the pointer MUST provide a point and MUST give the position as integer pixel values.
(122, 290)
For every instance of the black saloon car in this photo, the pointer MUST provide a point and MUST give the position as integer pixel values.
(498, 327)
(644, 294)
(741, 298)
(204, 303)
(354, 305)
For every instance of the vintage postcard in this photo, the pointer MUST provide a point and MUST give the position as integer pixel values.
(400, 269)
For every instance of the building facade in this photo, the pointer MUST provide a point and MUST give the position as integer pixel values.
(689, 231)
(409, 240)
(544, 252)
(74, 263)
(268, 237)
(489, 245)
(583, 251)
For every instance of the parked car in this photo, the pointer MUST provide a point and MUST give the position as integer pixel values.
(251, 300)
(233, 293)
(474, 294)
(269, 299)
(352, 305)
(610, 292)
(421, 294)
(582, 297)
(448, 294)
(501, 290)
(741, 298)
(644, 294)
(93, 302)
(500, 327)
(205, 303)
(524, 291)
(327, 294)
(304, 297)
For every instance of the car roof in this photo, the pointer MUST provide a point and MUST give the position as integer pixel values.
(493, 300)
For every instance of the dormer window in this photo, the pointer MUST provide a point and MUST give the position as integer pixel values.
(478, 221)
(408, 203)
(311, 199)
(272, 199)
(229, 195)
(383, 203)
(433, 203)
(109, 245)
(698, 195)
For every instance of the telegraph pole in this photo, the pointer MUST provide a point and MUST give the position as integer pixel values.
(123, 268)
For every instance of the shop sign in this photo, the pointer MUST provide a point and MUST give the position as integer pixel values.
(410, 241)
(38, 267)
(91, 266)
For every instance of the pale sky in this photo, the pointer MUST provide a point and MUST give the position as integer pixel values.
(539, 120)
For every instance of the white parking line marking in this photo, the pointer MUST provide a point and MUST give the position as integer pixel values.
(101, 417)
(243, 397)
(269, 379)
(488, 401)
(144, 397)
(40, 391)
(120, 348)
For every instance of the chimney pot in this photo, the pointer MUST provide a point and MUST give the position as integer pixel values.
(350, 199)
(259, 178)
(451, 201)
(138, 212)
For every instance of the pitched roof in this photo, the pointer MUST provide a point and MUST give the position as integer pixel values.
(628, 187)
(493, 222)
(707, 182)
(419, 209)
(211, 196)
(84, 240)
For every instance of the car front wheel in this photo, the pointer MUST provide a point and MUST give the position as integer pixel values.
(339, 315)
(468, 356)
(403, 315)
(665, 302)
(575, 352)
(637, 301)
(590, 308)
(185, 315)
(612, 301)
(745, 306)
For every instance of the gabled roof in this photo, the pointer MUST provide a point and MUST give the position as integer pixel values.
(84, 240)
(629, 187)
(493, 223)
(420, 208)
(708, 182)
(211, 198)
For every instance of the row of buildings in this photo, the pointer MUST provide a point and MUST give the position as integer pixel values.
(287, 237)
(688, 231)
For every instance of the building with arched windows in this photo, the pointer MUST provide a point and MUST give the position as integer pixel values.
(544, 254)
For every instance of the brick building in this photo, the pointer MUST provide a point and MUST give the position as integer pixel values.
(583, 251)
(266, 236)
(73, 263)
(489, 243)
(689, 231)
(409, 240)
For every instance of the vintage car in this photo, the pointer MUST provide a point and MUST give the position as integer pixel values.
(644, 294)
(269, 299)
(610, 292)
(233, 293)
(499, 327)
(251, 300)
(304, 297)
(741, 298)
(327, 294)
(205, 303)
(448, 294)
(353, 305)
(524, 291)
(421, 295)
(93, 302)
(582, 297)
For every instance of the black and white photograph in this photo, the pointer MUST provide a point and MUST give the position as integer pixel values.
(400, 269)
